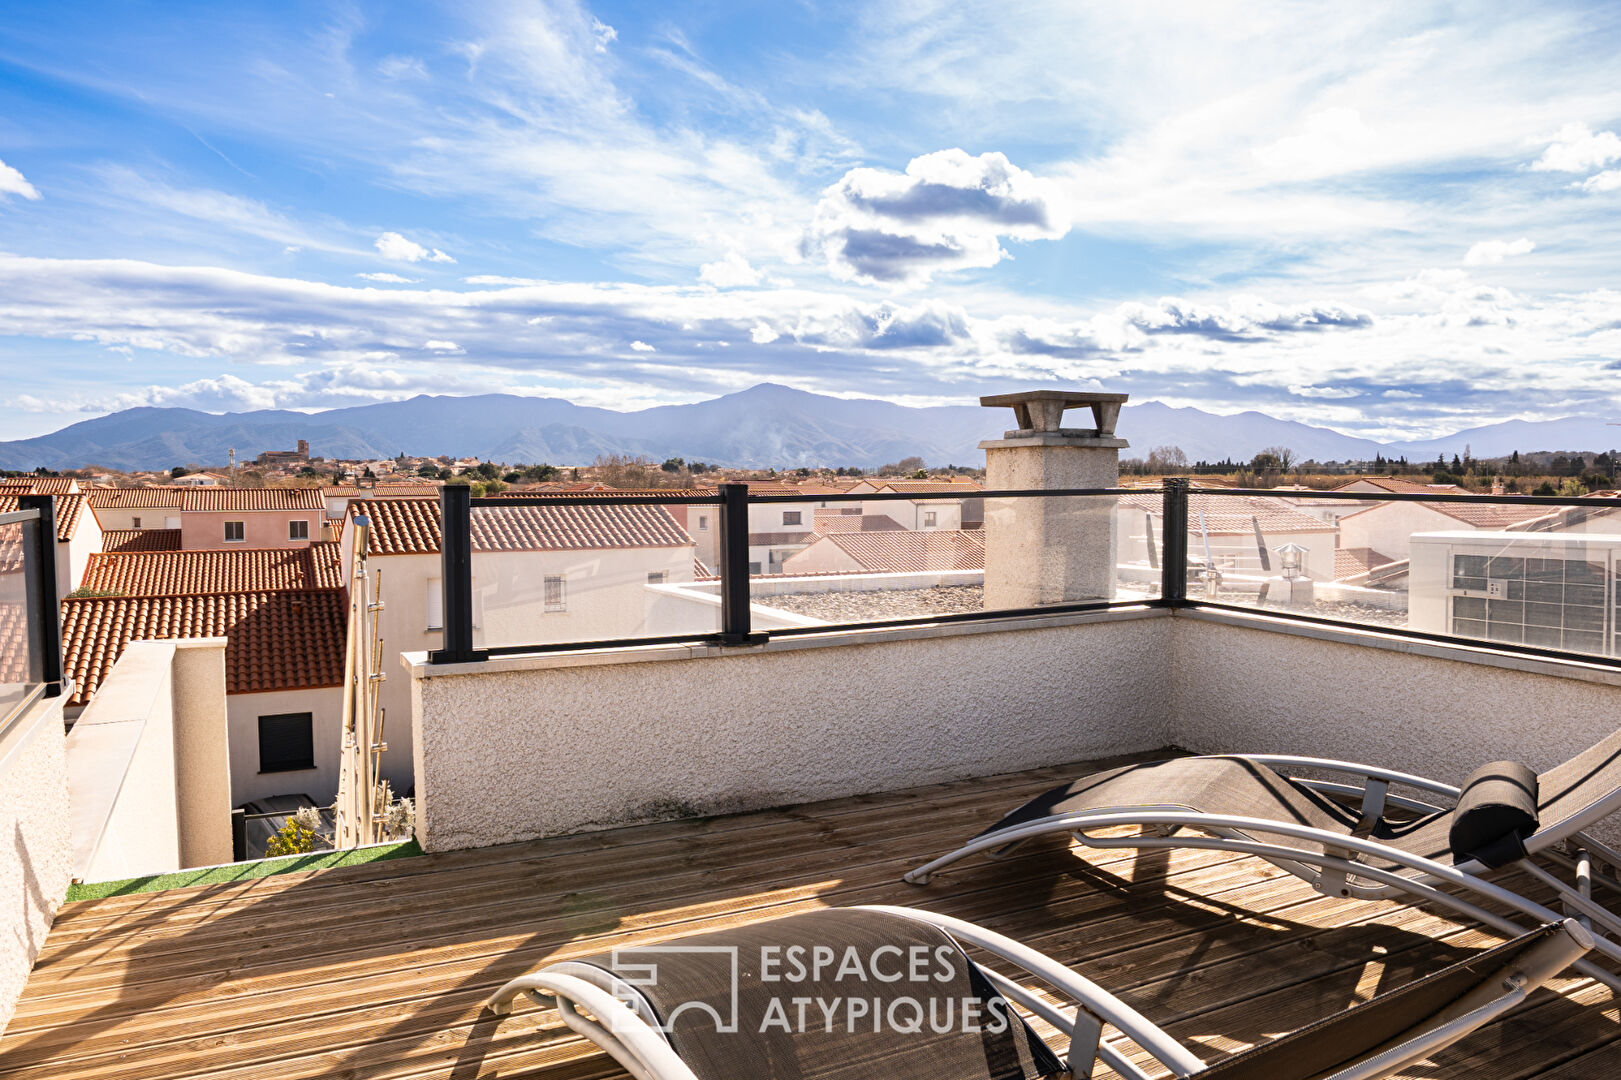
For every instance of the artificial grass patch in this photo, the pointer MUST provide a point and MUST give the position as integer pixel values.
(243, 871)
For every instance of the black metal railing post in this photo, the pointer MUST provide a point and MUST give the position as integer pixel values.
(456, 576)
(48, 633)
(735, 626)
(1174, 553)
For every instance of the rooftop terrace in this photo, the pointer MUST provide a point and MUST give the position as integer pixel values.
(379, 971)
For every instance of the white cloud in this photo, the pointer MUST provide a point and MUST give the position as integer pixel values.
(948, 211)
(1578, 149)
(390, 279)
(730, 272)
(401, 67)
(604, 34)
(1492, 252)
(391, 245)
(761, 334)
(1334, 141)
(642, 346)
(13, 182)
(436, 345)
(1608, 180)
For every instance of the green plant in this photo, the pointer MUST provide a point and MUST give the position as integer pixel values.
(88, 594)
(293, 839)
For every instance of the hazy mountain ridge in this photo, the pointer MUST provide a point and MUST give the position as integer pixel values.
(764, 425)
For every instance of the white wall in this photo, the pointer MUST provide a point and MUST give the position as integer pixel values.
(1388, 526)
(543, 747)
(605, 593)
(320, 783)
(36, 853)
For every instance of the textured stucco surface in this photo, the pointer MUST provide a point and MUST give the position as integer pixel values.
(36, 847)
(518, 754)
(1048, 551)
(202, 752)
(1245, 690)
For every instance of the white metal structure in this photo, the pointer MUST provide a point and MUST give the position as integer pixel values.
(624, 1023)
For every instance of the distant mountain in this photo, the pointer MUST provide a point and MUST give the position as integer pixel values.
(764, 425)
(1591, 433)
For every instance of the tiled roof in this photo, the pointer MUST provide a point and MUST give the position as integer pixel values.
(140, 540)
(13, 637)
(1234, 514)
(248, 499)
(908, 552)
(400, 526)
(147, 498)
(575, 526)
(1351, 561)
(385, 489)
(40, 485)
(69, 512)
(277, 640)
(841, 519)
(1397, 484)
(193, 573)
(1490, 515)
(927, 487)
(781, 539)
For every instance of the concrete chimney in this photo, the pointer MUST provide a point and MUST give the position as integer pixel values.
(1051, 550)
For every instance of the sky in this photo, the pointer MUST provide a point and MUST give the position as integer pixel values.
(1394, 219)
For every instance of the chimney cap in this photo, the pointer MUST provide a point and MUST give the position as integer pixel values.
(1042, 411)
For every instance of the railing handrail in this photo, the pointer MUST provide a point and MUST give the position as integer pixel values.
(1413, 496)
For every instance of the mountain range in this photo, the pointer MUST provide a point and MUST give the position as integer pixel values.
(764, 425)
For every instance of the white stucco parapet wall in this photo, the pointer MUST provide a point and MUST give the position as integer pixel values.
(527, 746)
(36, 861)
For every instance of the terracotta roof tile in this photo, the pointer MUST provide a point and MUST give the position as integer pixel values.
(1397, 484)
(194, 573)
(1235, 514)
(277, 640)
(909, 552)
(140, 540)
(1351, 561)
(248, 499)
(40, 485)
(411, 527)
(148, 498)
(1490, 515)
(927, 487)
(69, 512)
(851, 519)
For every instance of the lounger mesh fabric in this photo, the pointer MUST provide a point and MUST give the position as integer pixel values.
(760, 1047)
(1343, 1038)
(1238, 787)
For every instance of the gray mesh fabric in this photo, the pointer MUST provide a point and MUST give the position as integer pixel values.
(790, 1021)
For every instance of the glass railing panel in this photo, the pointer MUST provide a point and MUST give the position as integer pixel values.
(565, 570)
(19, 669)
(827, 562)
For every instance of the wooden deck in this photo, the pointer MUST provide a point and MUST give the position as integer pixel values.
(379, 971)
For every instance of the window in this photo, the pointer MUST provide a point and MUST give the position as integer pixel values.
(135, 523)
(436, 604)
(286, 742)
(928, 519)
(790, 517)
(298, 530)
(754, 568)
(233, 532)
(655, 577)
(555, 597)
(703, 522)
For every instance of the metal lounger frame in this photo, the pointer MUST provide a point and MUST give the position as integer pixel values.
(1335, 871)
(622, 1024)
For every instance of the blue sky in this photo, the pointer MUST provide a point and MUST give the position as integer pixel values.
(1393, 219)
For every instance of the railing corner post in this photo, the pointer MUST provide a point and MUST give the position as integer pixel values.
(456, 576)
(735, 620)
(1174, 554)
(45, 598)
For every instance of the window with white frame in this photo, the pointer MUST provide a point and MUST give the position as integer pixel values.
(790, 517)
(555, 594)
(929, 519)
(234, 532)
(298, 530)
(436, 604)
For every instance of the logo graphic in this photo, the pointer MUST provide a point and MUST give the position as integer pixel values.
(637, 965)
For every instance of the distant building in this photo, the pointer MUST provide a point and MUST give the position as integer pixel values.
(285, 457)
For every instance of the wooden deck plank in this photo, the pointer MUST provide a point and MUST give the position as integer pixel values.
(380, 971)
